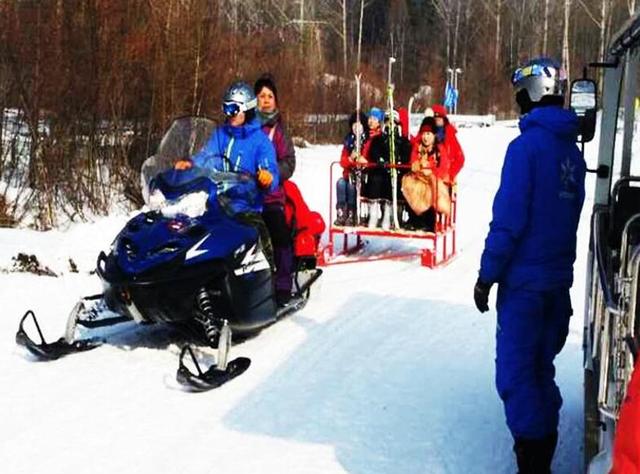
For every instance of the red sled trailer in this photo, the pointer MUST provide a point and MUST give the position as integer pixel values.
(346, 244)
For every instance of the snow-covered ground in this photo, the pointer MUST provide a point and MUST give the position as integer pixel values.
(389, 368)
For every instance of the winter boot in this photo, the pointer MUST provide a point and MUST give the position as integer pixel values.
(283, 276)
(364, 211)
(351, 217)
(374, 214)
(341, 215)
(404, 219)
(386, 215)
(283, 297)
(534, 455)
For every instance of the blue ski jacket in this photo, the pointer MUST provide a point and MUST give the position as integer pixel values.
(532, 237)
(243, 150)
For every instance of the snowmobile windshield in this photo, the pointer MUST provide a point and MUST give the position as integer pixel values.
(185, 137)
(187, 190)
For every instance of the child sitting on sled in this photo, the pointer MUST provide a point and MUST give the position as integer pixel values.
(346, 186)
(424, 187)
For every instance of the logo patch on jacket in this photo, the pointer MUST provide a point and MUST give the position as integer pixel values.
(568, 182)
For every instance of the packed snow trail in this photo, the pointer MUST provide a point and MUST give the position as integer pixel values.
(388, 369)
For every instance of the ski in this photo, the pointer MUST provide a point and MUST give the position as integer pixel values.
(392, 149)
(409, 107)
(358, 170)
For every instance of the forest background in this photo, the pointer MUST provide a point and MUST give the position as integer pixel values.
(87, 87)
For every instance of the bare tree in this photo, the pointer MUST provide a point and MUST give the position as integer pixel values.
(545, 34)
(565, 38)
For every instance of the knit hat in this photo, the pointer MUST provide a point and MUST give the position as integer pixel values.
(377, 114)
(268, 81)
(439, 111)
(427, 125)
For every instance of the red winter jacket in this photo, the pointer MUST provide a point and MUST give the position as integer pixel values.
(626, 447)
(441, 167)
(454, 150)
(345, 156)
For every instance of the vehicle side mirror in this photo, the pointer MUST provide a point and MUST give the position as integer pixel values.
(584, 103)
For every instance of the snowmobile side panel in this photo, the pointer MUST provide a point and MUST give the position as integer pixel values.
(252, 301)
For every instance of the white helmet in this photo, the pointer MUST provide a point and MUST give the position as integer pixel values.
(540, 77)
(239, 97)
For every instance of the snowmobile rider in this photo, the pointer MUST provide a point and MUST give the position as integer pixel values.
(346, 186)
(239, 146)
(274, 202)
(529, 252)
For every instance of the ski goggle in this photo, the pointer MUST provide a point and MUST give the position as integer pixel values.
(231, 109)
(536, 70)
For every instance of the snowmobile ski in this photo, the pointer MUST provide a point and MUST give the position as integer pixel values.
(51, 351)
(213, 377)
(82, 315)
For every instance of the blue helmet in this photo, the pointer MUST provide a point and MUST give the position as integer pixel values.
(540, 77)
(239, 97)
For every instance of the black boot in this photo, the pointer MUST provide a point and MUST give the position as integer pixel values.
(282, 298)
(534, 455)
(350, 221)
(341, 216)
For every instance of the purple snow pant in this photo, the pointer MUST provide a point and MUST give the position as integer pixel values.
(273, 215)
(532, 329)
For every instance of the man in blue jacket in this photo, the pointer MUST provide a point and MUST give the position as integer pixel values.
(529, 252)
(239, 146)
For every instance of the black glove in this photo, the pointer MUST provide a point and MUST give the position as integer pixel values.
(481, 295)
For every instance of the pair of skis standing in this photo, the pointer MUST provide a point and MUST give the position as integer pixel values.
(392, 150)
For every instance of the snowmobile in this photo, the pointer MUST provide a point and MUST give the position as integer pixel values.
(185, 261)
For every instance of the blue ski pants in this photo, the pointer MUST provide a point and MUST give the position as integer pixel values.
(532, 329)
(346, 193)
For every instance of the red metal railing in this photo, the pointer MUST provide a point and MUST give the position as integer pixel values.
(442, 239)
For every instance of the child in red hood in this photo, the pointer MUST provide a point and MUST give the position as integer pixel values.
(429, 163)
(446, 133)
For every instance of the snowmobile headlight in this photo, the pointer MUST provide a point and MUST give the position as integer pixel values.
(176, 225)
(157, 200)
(191, 205)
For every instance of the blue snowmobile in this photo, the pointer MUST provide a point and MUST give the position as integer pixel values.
(183, 261)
